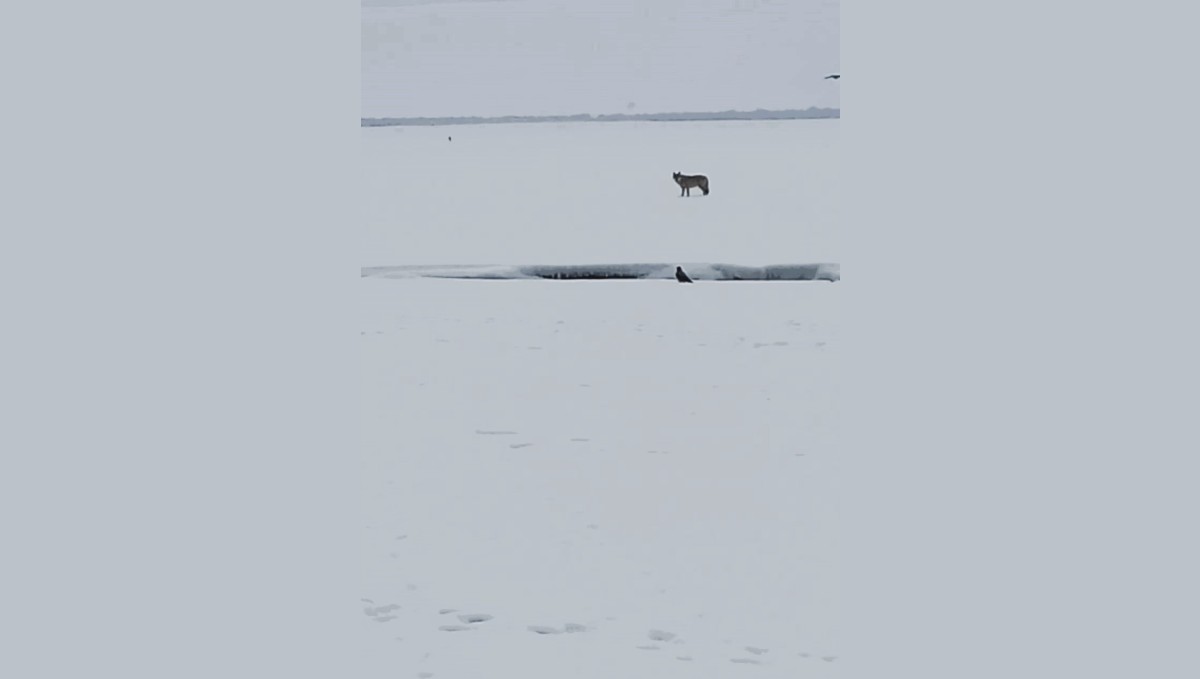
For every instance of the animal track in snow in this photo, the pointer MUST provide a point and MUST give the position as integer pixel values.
(474, 617)
(659, 635)
(519, 445)
(444, 611)
(381, 610)
(757, 651)
(572, 628)
(541, 629)
(455, 628)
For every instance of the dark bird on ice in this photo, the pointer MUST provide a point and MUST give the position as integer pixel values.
(681, 276)
(835, 76)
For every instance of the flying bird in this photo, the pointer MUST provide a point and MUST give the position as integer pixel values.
(834, 76)
(681, 276)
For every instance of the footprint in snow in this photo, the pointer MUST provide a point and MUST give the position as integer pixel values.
(471, 618)
(519, 445)
(455, 628)
(757, 651)
(541, 629)
(659, 635)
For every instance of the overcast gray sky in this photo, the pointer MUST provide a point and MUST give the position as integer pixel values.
(547, 57)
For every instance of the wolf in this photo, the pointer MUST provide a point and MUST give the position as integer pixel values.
(688, 182)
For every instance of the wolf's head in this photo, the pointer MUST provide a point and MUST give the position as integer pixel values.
(676, 175)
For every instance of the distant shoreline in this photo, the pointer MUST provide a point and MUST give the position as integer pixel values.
(811, 113)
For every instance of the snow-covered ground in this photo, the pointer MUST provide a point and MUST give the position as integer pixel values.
(597, 479)
(594, 193)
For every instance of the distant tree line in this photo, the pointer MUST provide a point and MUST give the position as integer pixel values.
(757, 114)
